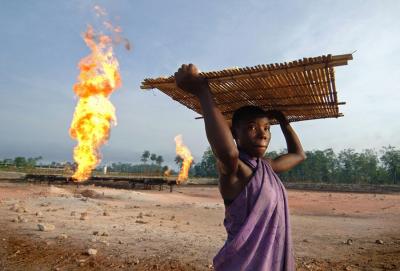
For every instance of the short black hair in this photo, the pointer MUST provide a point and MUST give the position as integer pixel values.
(247, 112)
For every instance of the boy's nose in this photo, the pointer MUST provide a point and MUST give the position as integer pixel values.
(262, 134)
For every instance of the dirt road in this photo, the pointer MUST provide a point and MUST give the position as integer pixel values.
(158, 230)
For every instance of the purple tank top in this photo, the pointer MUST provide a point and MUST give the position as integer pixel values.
(257, 224)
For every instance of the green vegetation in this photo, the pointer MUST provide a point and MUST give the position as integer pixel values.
(207, 166)
(326, 166)
(347, 166)
(155, 167)
(21, 162)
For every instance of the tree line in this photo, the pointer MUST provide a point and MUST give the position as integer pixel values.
(347, 166)
(154, 167)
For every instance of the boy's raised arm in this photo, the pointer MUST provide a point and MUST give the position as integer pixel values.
(295, 153)
(218, 132)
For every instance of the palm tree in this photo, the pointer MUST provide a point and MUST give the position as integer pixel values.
(153, 157)
(145, 156)
(159, 160)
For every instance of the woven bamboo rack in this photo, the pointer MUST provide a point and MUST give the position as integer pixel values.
(303, 89)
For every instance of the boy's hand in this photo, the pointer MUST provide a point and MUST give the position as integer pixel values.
(188, 79)
(279, 116)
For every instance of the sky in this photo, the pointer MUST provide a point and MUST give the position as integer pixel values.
(41, 45)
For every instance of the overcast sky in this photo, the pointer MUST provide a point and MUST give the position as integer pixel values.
(41, 46)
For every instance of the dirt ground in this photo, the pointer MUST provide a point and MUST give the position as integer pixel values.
(183, 230)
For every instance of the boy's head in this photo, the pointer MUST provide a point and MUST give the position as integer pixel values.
(250, 128)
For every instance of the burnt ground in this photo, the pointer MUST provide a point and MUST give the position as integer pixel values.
(158, 230)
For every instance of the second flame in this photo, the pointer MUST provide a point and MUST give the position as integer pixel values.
(183, 152)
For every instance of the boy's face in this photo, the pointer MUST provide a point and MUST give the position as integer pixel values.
(253, 136)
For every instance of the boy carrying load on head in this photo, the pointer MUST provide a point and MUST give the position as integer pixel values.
(256, 207)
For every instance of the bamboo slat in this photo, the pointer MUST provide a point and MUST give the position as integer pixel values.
(303, 89)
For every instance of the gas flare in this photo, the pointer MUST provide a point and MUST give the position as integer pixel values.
(167, 173)
(183, 152)
(94, 114)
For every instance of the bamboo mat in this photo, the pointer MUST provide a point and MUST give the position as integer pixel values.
(303, 89)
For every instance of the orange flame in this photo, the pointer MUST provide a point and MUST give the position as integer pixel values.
(94, 114)
(167, 173)
(183, 152)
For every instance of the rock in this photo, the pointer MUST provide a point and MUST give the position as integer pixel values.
(120, 242)
(84, 216)
(88, 193)
(62, 236)
(380, 242)
(105, 234)
(45, 227)
(14, 207)
(349, 242)
(106, 213)
(188, 223)
(39, 213)
(20, 210)
(22, 219)
(15, 220)
(141, 222)
(172, 217)
(95, 232)
(306, 241)
(140, 215)
(91, 251)
(105, 242)
(73, 213)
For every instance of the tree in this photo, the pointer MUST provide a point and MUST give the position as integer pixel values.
(145, 156)
(178, 160)
(31, 162)
(391, 161)
(153, 157)
(367, 165)
(20, 161)
(159, 160)
(207, 166)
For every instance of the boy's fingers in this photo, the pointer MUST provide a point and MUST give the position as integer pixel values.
(192, 68)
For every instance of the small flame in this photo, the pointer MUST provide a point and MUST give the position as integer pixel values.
(167, 173)
(183, 152)
(94, 114)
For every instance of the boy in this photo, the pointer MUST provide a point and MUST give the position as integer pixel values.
(256, 209)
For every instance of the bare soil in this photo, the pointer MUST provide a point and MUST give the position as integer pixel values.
(183, 230)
